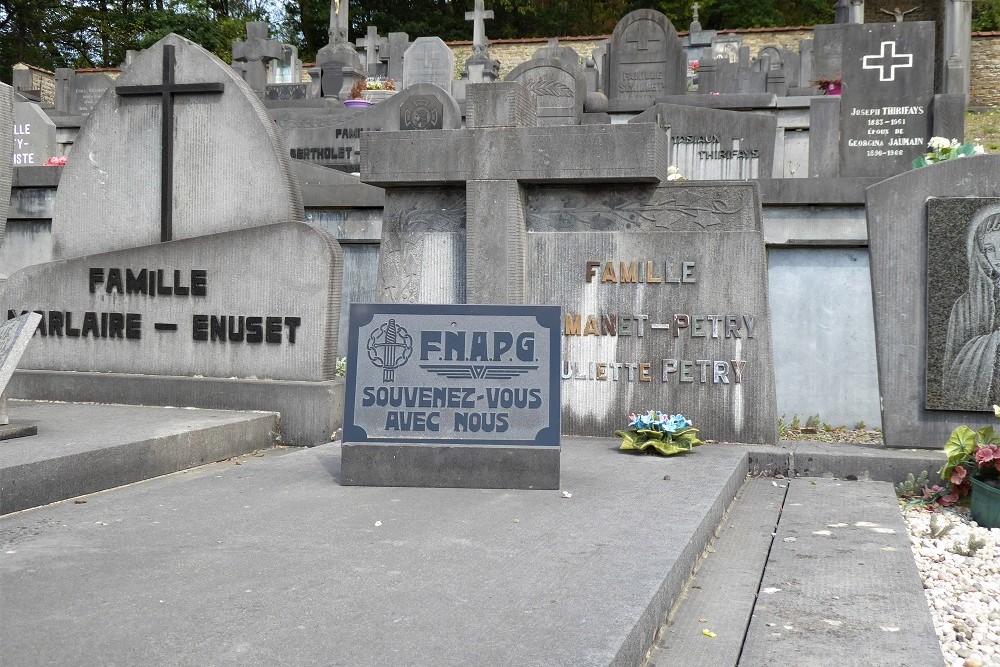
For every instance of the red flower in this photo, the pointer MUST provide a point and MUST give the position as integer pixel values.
(985, 454)
(958, 475)
(948, 500)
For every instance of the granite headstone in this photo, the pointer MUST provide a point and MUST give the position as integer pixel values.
(87, 90)
(15, 334)
(885, 105)
(559, 89)
(922, 294)
(229, 165)
(646, 61)
(34, 135)
(429, 60)
(6, 151)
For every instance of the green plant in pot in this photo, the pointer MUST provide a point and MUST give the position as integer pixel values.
(973, 469)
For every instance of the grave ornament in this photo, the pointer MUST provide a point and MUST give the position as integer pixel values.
(256, 51)
(15, 334)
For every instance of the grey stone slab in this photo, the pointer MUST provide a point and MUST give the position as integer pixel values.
(804, 225)
(331, 188)
(720, 596)
(885, 106)
(492, 467)
(832, 590)
(211, 134)
(34, 135)
(311, 412)
(17, 429)
(84, 448)
(502, 104)
(15, 335)
(448, 578)
(559, 89)
(948, 116)
(422, 253)
(87, 90)
(868, 463)
(6, 150)
(603, 153)
(646, 61)
(37, 177)
(842, 190)
(495, 228)
(640, 342)
(709, 144)
(429, 60)
(824, 137)
(821, 300)
(214, 306)
(898, 245)
(828, 49)
(725, 101)
(26, 242)
(960, 363)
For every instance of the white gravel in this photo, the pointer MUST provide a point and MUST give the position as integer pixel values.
(963, 591)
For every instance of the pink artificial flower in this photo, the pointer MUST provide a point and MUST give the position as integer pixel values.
(958, 474)
(986, 454)
(930, 491)
(57, 161)
(948, 500)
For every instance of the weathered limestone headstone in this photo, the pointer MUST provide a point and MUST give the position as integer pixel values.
(553, 50)
(828, 49)
(6, 150)
(371, 43)
(713, 144)
(559, 89)
(227, 162)
(64, 89)
(429, 60)
(646, 61)
(15, 334)
(34, 135)
(332, 137)
(339, 63)
(505, 196)
(935, 317)
(255, 53)
(886, 100)
(399, 42)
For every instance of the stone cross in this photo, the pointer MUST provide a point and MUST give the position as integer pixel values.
(478, 18)
(256, 52)
(695, 23)
(371, 44)
(64, 92)
(166, 91)
(339, 23)
(642, 39)
(500, 151)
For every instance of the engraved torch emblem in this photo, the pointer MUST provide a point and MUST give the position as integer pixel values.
(389, 347)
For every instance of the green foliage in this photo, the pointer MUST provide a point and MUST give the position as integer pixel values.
(812, 422)
(860, 426)
(937, 531)
(986, 15)
(972, 545)
(962, 444)
(795, 424)
(341, 367)
(912, 487)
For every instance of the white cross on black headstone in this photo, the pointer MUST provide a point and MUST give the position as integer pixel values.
(890, 61)
(166, 90)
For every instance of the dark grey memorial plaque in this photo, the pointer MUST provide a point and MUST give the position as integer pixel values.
(885, 106)
(963, 324)
(452, 396)
(647, 61)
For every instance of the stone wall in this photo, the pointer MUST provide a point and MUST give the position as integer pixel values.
(985, 75)
(42, 80)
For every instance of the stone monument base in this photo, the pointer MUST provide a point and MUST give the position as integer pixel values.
(17, 430)
(311, 412)
(449, 466)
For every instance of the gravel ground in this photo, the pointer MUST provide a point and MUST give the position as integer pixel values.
(963, 589)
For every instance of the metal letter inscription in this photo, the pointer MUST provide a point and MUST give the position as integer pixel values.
(453, 374)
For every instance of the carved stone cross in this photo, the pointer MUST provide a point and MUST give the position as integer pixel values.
(478, 18)
(339, 21)
(370, 42)
(256, 52)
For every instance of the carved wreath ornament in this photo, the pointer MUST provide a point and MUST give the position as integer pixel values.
(549, 88)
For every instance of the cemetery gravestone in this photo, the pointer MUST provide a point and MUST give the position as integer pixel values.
(34, 135)
(15, 334)
(332, 138)
(924, 295)
(559, 89)
(87, 90)
(399, 42)
(255, 52)
(713, 144)
(646, 61)
(216, 124)
(452, 395)
(828, 49)
(429, 60)
(887, 94)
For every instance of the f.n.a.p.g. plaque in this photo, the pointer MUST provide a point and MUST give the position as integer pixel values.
(452, 396)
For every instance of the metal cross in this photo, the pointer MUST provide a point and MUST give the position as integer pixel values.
(166, 90)
(884, 60)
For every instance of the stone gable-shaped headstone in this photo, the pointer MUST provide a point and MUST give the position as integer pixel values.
(34, 135)
(429, 60)
(229, 166)
(88, 88)
(559, 89)
(646, 61)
